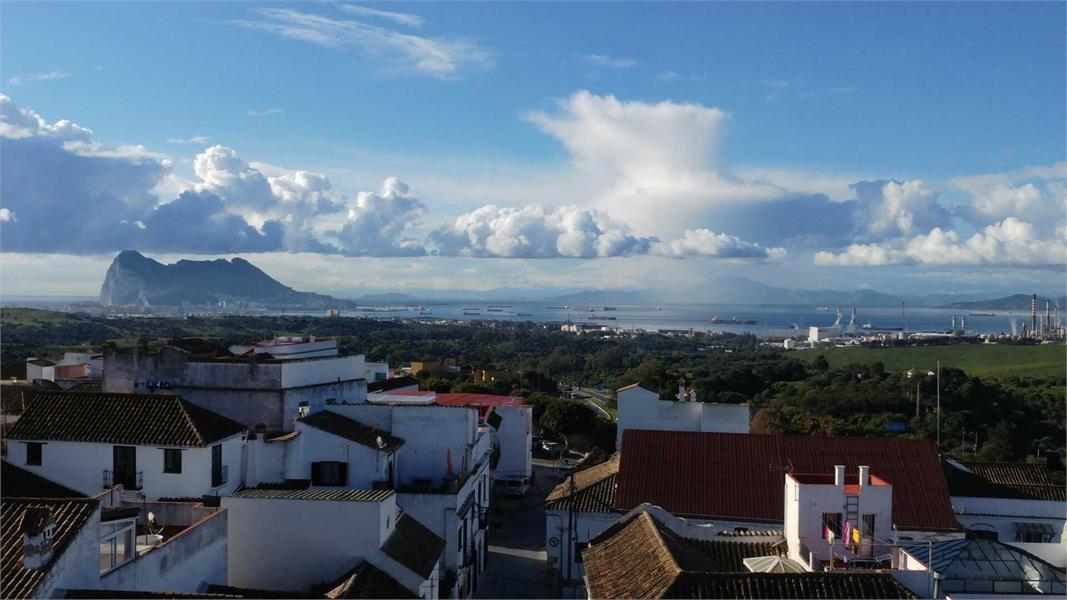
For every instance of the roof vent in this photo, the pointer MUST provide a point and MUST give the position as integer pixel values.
(38, 528)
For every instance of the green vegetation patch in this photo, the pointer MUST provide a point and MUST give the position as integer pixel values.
(978, 360)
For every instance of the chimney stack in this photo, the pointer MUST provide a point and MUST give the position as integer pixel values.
(839, 475)
(865, 475)
(1033, 315)
(38, 527)
(681, 390)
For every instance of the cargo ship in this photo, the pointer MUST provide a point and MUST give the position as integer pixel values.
(733, 321)
(602, 318)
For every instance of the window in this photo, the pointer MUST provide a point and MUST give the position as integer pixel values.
(172, 460)
(33, 453)
(116, 545)
(329, 472)
(867, 526)
(981, 534)
(832, 521)
(1039, 533)
(217, 476)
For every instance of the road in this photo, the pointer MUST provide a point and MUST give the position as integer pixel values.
(517, 565)
(595, 399)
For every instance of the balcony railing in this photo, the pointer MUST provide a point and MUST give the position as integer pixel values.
(111, 479)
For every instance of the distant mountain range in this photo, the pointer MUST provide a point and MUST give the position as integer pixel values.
(134, 279)
(1016, 302)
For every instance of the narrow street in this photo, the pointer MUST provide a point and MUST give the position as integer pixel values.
(517, 565)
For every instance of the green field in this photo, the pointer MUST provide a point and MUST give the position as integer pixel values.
(977, 360)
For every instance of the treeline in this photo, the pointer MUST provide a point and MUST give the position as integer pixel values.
(988, 419)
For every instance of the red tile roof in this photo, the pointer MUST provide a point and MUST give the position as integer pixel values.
(70, 514)
(741, 476)
(483, 402)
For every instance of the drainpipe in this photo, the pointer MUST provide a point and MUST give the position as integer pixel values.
(937, 584)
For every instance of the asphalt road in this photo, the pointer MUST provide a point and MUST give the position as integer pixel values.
(517, 565)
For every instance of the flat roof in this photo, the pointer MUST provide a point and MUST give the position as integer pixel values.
(466, 399)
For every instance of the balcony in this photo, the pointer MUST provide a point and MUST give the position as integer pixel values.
(128, 481)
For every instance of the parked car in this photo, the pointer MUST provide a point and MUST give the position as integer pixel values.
(552, 447)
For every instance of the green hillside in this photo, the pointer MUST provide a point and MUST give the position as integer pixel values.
(979, 360)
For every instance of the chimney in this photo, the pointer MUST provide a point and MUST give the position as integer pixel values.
(38, 527)
(681, 390)
(865, 475)
(839, 475)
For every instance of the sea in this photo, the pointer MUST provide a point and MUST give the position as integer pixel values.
(761, 320)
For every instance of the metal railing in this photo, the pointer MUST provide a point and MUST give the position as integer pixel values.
(110, 480)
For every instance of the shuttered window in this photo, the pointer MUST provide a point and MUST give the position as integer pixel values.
(334, 473)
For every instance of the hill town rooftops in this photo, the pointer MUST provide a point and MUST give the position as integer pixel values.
(639, 557)
(343, 495)
(113, 418)
(1007, 480)
(593, 489)
(69, 515)
(350, 429)
(740, 476)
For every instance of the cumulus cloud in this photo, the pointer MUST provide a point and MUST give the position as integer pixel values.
(704, 242)
(440, 58)
(888, 209)
(1011, 242)
(64, 192)
(536, 232)
(263, 113)
(378, 222)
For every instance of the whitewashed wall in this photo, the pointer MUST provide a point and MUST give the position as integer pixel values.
(639, 408)
(80, 466)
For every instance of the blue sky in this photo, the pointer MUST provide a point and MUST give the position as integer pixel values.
(615, 141)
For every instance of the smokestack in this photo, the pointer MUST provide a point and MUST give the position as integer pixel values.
(865, 475)
(1033, 315)
(1048, 316)
(839, 475)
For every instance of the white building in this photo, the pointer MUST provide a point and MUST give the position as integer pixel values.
(257, 391)
(296, 540)
(436, 459)
(641, 408)
(509, 421)
(376, 371)
(73, 545)
(290, 347)
(155, 446)
(1014, 503)
(40, 368)
(821, 334)
(822, 509)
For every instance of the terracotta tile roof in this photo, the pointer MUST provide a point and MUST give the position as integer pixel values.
(70, 516)
(20, 483)
(110, 418)
(740, 476)
(105, 594)
(639, 557)
(342, 495)
(594, 489)
(414, 546)
(788, 585)
(13, 397)
(367, 581)
(351, 429)
(1003, 480)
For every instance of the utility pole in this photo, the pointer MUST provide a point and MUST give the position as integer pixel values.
(939, 406)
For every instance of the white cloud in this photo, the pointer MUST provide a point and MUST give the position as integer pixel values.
(7, 215)
(196, 139)
(378, 223)
(612, 62)
(667, 76)
(887, 209)
(536, 232)
(226, 174)
(441, 58)
(399, 18)
(704, 242)
(19, 79)
(1011, 243)
(263, 113)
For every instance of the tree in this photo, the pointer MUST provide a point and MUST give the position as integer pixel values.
(820, 364)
